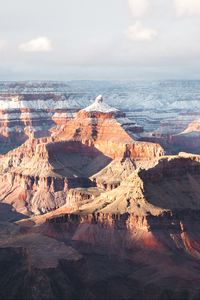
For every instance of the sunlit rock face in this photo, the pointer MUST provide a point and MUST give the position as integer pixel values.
(154, 211)
(99, 215)
(102, 126)
(36, 177)
(94, 207)
(151, 219)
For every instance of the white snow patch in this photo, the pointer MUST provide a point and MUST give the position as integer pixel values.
(100, 106)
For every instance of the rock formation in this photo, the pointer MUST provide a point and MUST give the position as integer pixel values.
(145, 231)
(38, 180)
(101, 126)
(37, 176)
(98, 214)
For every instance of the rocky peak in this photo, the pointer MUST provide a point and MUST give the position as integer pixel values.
(100, 109)
(99, 106)
(107, 129)
(99, 99)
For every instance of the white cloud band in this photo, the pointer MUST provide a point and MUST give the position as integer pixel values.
(40, 44)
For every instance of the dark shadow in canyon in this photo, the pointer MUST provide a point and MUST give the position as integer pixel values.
(76, 158)
(116, 265)
(12, 142)
(173, 184)
(8, 213)
(189, 145)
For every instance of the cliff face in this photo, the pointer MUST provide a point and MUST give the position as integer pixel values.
(38, 180)
(42, 267)
(156, 207)
(170, 231)
(142, 234)
(104, 130)
(37, 176)
(97, 213)
(165, 248)
(169, 183)
(151, 219)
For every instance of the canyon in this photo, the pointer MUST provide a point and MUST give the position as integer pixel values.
(142, 235)
(95, 208)
(159, 109)
(36, 176)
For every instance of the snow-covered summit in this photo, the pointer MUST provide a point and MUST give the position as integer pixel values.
(100, 106)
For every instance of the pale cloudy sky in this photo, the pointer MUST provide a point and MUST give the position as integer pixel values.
(99, 39)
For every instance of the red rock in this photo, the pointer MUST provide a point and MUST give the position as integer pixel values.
(103, 131)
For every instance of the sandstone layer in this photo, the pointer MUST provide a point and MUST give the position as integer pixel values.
(37, 176)
(92, 213)
(103, 129)
(150, 222)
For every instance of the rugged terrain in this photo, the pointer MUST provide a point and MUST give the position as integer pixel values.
(38, 109)
(139, 240)
(90, 212)
(37, 176)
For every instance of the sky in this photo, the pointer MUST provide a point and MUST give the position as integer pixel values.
(99, 39)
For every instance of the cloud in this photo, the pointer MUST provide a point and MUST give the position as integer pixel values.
(138, 32)
(40, 44)
(138, 8)
(187, 8)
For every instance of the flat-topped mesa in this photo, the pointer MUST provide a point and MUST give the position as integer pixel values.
(107, 129)
(99, 109)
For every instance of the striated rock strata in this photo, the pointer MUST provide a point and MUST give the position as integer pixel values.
(142, 235)
(101, 126)
(37, 176)
(39, 182)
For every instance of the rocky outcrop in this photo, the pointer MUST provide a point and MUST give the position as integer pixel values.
(156, 208)
(98, 213)
(78, 196)
(39, 179)
(37, 176)
(98, 126)
(35, 266)
(149, 225)
(112, 175)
